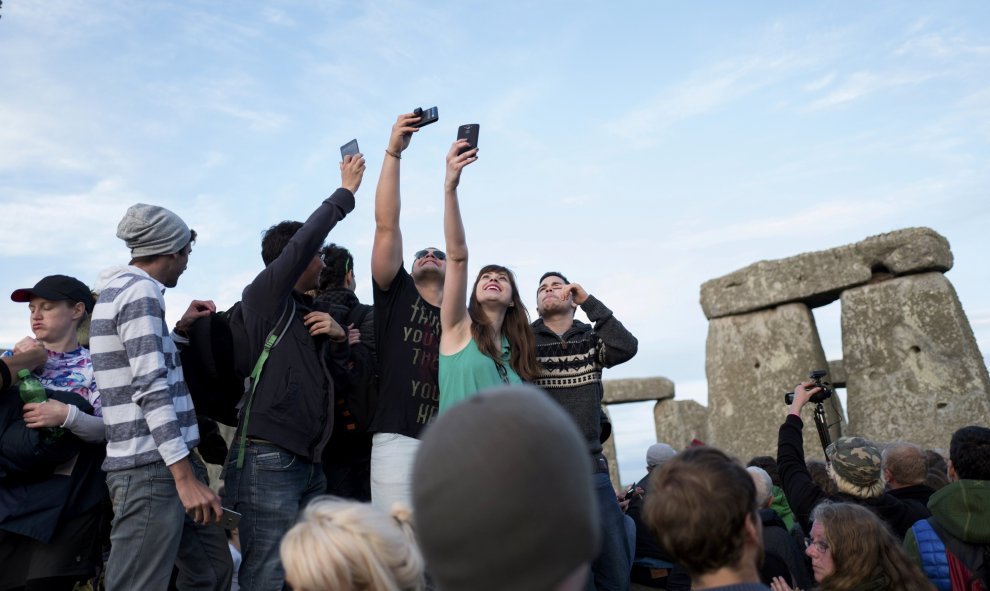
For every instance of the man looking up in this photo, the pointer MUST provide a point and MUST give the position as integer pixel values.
(289, 417)
(161, 501)
(572, 355)
(407, 334)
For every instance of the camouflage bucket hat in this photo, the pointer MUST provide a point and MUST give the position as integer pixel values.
(855, 459)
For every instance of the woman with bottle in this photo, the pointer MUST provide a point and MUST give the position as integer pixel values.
(50, 518)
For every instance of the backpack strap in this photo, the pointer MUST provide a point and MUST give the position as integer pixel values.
(270, 341)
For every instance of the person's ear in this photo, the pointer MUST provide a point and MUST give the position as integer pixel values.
(950, 471)
(78, 310)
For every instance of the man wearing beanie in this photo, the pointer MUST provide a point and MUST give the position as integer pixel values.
(162, 504)
(854, 464)
(480, 525)
(652, 566)
(273, 469)
(572, 355)
(702, 508)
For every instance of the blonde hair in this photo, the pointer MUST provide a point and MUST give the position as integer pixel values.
(340, 544)
(860, 492)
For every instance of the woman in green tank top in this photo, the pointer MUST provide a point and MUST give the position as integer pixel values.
(488, 341)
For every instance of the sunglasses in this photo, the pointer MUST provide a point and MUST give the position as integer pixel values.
(439, 254)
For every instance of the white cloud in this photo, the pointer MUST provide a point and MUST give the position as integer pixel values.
(859, 85)
(820, 83)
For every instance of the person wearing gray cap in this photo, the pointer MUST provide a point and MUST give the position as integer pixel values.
(161, 501)
(479, 525)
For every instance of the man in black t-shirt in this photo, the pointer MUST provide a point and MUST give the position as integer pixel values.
(407, 334)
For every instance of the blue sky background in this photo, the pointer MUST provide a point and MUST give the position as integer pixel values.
(639, 147)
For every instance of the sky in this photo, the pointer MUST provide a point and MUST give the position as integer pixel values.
(641, 148)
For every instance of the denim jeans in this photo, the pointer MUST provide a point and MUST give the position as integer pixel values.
(610, 571)
(392, 458)
(269, 491)
(151, 532)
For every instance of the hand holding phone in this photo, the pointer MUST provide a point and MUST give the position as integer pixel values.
(469, 132)
(230, 519)
(426, 116)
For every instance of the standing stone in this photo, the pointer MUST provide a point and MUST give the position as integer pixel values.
(608, 450)
(680, 421)
(751, 361)
(913, 368)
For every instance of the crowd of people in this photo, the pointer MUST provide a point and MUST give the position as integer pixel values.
(433, 439)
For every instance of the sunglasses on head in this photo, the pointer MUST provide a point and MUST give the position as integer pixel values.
(439, 254)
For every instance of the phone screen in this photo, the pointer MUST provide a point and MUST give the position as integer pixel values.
(229, 519)
(351, 148)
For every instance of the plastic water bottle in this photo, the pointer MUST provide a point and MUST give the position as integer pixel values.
(31, 390)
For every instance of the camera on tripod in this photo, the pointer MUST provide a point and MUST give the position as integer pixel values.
(819, 397)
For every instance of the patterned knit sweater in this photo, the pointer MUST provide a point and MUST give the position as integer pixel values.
(572, 364)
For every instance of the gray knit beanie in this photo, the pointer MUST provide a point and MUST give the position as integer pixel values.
(503, 495)
(151, 229)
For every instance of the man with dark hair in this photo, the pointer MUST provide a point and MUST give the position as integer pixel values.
(161, 500)
(905, 469)
(347, 459)
(702, 507)
(287, 420)
(953, 545)
(407, 334)
(572, 355)
(854, 465)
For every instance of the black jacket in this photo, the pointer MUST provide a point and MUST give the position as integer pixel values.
(293, 402)
(803, 494)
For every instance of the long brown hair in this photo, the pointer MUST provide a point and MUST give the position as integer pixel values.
(863, 549)
(515, 327)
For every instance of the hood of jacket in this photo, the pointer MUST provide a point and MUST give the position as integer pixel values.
(963, 509)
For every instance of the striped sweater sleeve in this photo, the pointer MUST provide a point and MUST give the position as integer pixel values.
(147, 408)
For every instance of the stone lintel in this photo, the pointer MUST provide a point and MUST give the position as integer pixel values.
(818, 278)
(637, 390)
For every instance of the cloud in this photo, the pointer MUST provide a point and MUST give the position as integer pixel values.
(859, 85)
(704, 92)
(820, 83)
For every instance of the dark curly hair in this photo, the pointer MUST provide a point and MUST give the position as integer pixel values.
(969, 453)
(337, 261)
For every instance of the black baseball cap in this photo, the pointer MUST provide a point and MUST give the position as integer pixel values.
(56, 288)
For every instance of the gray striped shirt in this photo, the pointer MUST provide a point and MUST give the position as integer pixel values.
(147, 409)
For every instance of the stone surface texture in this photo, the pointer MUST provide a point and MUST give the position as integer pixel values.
(817, 278)
(680, 421)
(751, 361)
(637, 390)
(913, 367)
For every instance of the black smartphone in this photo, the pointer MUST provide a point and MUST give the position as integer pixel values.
(426, 116)
(469, 132)
(351, 148)
(230, 518)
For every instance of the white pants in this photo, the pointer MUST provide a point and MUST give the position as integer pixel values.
(392, 457)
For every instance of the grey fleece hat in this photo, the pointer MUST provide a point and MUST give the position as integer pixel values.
(503, 495)
(152, 229)
(658, 454)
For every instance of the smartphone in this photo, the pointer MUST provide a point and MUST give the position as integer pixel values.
(469, 132)
(230, 518)
(351, 148)
(426, 116)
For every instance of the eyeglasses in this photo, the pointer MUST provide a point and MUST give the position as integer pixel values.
(502, 373)
(438, 254)
(821, 547)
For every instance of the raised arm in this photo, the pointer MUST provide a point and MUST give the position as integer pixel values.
(386, 253)
(454, 320)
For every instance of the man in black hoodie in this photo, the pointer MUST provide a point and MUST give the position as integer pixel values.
(275, 471)
(572, 355)
(854, 465)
